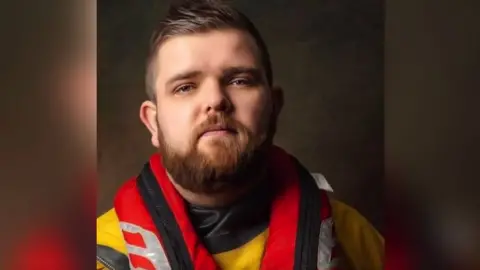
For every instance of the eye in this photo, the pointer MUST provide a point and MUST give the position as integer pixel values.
(241, 82)
(183, 89)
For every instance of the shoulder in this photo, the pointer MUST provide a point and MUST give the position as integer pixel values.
(108, 231)
(361, 242)
(110, 243)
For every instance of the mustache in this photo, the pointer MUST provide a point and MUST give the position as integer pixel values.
(217, 122)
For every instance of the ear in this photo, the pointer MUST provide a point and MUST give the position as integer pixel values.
(278, 100)
(148, 116)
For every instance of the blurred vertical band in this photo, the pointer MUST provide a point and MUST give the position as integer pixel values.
(48, 157)
(432, 134)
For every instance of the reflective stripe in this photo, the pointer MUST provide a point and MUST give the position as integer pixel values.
(322, 182)
(153, 250)
(326, 244)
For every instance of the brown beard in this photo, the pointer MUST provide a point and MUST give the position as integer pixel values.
(237, 159)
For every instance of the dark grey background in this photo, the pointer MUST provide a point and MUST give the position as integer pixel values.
(328, 57)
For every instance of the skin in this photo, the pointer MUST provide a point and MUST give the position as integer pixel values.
(205, 75)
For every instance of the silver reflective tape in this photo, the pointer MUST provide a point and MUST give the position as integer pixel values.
(326, 244)
(322, 182)
(153, 250)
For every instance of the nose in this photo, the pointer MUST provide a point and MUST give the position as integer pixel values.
(216, 98)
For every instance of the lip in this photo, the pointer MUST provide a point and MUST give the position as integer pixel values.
(217, 130)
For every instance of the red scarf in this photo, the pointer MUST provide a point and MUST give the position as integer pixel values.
(282, 250)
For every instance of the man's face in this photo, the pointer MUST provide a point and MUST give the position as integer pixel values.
(213, 109)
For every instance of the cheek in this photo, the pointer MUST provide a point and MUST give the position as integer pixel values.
(174, 126)
(253, 111)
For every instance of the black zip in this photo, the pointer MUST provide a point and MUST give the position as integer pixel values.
(105, 263)
(111, 258)
(309, 221)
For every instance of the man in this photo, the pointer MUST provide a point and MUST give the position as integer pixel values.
(220, 195)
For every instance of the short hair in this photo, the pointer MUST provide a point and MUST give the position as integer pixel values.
(200, 16)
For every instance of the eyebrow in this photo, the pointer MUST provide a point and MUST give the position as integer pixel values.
(255, 72)
(183, 76)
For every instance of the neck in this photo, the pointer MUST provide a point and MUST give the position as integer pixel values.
(220, 199)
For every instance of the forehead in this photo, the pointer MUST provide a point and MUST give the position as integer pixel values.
(206, 52)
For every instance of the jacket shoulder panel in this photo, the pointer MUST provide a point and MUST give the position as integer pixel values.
(361, 243)
(109, 233)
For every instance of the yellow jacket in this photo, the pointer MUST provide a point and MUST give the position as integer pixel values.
(362, 246)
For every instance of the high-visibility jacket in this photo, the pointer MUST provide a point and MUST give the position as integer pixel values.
(307, 230)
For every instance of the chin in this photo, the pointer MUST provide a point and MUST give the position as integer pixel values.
(218, 152)
(216, 145)
(213, 151)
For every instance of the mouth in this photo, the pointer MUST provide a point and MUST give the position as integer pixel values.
(218, 131)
